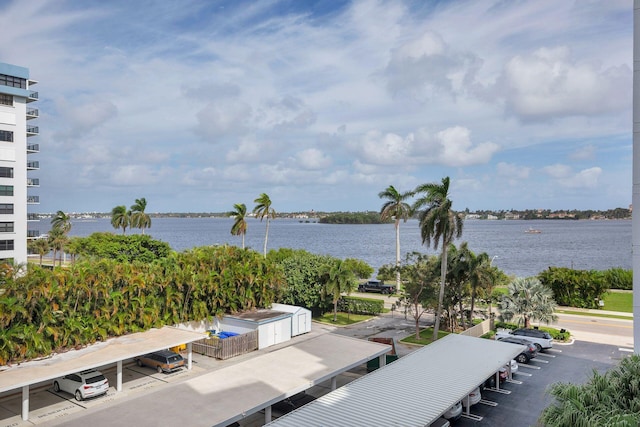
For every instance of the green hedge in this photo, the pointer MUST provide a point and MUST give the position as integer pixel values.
(360, 305)
(556, 334)
(575, 288)
(618, 278)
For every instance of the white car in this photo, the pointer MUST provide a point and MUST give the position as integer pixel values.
(474, 397)
(453, 413)
(83, 384)
(541, 339)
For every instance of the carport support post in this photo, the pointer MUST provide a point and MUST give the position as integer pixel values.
(25, 403)
(267, 414)
(190, 358)
(119, 376)
(334, 383)
(383, 360)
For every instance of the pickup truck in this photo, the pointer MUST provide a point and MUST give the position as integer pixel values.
(374, 285)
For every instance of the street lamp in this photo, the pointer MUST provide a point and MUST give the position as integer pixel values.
(494, 257)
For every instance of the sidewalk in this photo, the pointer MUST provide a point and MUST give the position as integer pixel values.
(596, 311)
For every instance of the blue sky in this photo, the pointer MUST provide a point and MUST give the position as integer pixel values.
(197, 105)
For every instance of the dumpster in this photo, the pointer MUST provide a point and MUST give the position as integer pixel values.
(391, 356)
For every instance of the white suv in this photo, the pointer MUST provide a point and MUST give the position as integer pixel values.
(83, 384)
(541, 339)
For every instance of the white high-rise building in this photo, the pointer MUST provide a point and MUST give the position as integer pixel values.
(16, 131)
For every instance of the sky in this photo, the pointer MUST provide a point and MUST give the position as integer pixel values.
(198, 105)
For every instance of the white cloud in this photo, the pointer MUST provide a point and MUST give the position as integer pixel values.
(558, 171)
(513, 171)
(550, 84)
(313, 159)
(564, 176)
(584, 153)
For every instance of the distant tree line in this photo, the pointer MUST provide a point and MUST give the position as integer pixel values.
(617, 213)
(353, 218)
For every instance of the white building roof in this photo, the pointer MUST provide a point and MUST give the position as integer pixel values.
(413, 391)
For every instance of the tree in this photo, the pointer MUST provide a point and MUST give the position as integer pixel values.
(120, 218)
(57, 240)
(140, 219)
(40, 247)
(396, 207)
(337, 279)
(419, 292)
(263, 210)
(239, 227)
(438, 222)
(528, 299)
(611, 399)
(61, 221)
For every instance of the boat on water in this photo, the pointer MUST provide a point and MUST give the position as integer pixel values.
(532, 231)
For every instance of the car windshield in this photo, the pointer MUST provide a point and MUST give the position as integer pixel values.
(95, 379)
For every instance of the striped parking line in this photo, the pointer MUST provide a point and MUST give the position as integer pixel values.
(539, 361)
(547, 355)
(529, 367)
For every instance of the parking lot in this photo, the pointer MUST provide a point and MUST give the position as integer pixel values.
(522, 407)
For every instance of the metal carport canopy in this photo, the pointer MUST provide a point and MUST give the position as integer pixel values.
(100, 354)
(413, 391)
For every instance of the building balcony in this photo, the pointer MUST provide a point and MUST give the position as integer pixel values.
(33, 200)
(33, 182)
(32, 113)
(33, 234)
(32, 166)
(33, 217)
(33, 96)
(33, 148)
(32, 130)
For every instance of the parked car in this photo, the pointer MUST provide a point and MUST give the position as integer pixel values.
(162, 361)
(440, 422)
(530, 352)
(83, 384)
(454, 412)
(374, 285)
(541, 339)
(474, 397)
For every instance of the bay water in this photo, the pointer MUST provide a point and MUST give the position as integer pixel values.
(584, 244)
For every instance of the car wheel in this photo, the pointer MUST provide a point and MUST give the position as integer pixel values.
(522, 358)
(159, 369)
(56, 386)
(78, 395)
(139, 362)
(539, 347)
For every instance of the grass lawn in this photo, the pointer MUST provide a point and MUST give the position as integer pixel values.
(426, 337)
(582, 313)
(619, 301)
(343, 319)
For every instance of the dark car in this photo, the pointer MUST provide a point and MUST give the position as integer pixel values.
(375, 285)
(163, 361)
(529, 353)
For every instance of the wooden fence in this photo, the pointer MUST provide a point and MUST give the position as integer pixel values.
(228, 347)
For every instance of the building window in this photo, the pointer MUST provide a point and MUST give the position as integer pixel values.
(6, 190)
(6, 99)
(6, 208)
(13, 81)
(6, 135)
(6, 227)
(6, 172)
(6, 245)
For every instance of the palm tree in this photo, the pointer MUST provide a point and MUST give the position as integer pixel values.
(528, 299)
(396, 207)
(239, 227)
(57, 241)
(140, 219)
(263, 209)
(438, 222)
(338, 279)
(61, 221)
(120, 218)
(40, 247)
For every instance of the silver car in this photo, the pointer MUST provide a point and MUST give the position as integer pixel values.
(83, 384)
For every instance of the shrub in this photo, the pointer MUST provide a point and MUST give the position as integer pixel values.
(359, 305)
(556, 334)
(618, 278)
(575, 288)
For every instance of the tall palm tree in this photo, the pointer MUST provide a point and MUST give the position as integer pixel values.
(396, 207)
(263, 209)
(140, 219)
(338, 279)
(438, 222)
(61, 221)
(40, 247)
(239, 227)
(120, 218)
(57, 240)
